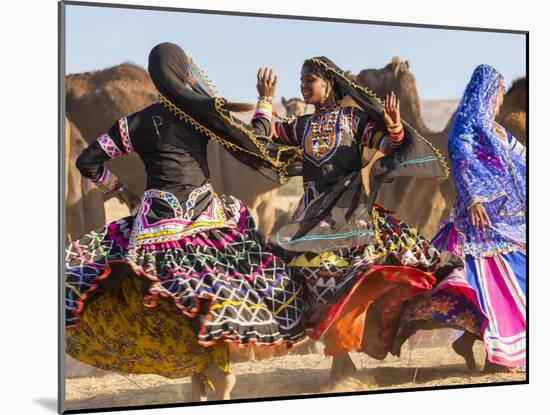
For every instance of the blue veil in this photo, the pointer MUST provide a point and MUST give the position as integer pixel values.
(486, 169)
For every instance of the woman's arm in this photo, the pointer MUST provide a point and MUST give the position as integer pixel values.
(262, 121)
(91, 161)
(385, 140)
(263, 114)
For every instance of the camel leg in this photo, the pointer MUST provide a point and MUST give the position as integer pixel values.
(342, 367)
(464, 347)
(223, 382)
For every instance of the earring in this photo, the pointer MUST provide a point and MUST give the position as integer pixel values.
(327, 91)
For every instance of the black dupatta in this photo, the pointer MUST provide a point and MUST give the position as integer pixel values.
(186, 91)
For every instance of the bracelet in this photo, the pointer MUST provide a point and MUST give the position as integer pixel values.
(396, 139)
(265, 98)
(395, 130)
(398, 124)
(107, 182)
(115, 192)
(264, 109)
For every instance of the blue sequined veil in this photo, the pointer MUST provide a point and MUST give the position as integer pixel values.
(487, 169)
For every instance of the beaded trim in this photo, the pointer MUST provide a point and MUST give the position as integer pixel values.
(182, 223)
(107, 182)
(125, 135)
(218, 103)
(109, 146)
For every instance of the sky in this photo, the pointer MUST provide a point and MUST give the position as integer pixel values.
(230, 49)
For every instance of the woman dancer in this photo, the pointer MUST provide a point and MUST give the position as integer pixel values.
(359, 262)
(486, 298)
(163, 291)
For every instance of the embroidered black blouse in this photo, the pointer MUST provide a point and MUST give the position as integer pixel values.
(174, 153)
(332, 143)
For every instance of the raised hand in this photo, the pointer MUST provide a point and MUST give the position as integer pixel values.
(392, 114)
(267, 82)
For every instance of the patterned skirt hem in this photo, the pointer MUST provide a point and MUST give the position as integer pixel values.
(203, 338)
(366, 317)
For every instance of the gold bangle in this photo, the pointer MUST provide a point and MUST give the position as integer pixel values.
(394, 125)
(395, 130)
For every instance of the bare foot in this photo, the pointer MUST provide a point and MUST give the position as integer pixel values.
(198, 388)
(342, 367)
(491, 367)
(223, 382)
(230, 381)
(464, 347)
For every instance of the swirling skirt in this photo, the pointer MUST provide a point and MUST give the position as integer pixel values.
(356, 295)
(169, 308)
(486, 298)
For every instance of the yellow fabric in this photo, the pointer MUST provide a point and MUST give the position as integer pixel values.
(320, 261)
(119, 333)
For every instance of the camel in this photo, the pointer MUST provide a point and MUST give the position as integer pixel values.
(67, 154)
(294, 106)
(84, 203)
(513, 112)
(96, 99)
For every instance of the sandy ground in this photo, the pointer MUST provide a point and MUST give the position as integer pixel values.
(286, 376)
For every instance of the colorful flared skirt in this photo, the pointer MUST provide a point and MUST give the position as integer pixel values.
(355, 295)
(221, 285)
(118, 333)
(486, 297)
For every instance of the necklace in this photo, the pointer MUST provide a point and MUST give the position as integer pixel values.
(326, 108)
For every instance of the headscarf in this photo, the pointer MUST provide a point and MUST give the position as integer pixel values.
(186, 91)
(484, 168)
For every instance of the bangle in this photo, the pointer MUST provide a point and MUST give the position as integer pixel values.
(265, 98)
(115, 192)
(397, 124)
(395, 130)
(107, 182)
(264, 109)
(396, 138)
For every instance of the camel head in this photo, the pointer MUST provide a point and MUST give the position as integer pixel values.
(294, 106)
(513, 113)
(515, 99)
(396, 77)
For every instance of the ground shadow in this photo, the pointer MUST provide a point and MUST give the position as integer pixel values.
(48, 403)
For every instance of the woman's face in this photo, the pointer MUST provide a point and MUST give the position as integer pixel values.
(313, 87)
